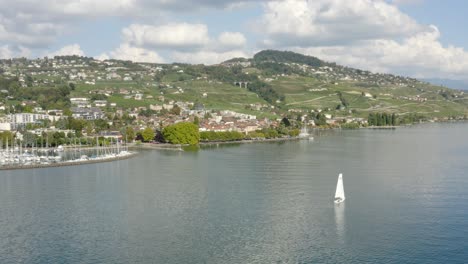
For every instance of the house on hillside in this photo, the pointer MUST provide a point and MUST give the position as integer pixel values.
(139, 96)
(91, 113)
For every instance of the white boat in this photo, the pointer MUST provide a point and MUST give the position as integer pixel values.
(339, 194)
(59, 149)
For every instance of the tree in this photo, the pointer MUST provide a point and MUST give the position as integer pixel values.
(76, 124)
(182, 133)
(294, 132)
(394, 121)
(196, 120)
(95, 97)
(128, 133)
(72, 86)
(67, 112)
(378, 118)
(285, 122)
(389, 120)
(29, 138)
(100, 125)
(61, 123)
(148, 134)
(5, 137)
(371, 119)
(320, 119)
(175, 110)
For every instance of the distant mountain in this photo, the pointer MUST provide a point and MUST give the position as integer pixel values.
(454, 84)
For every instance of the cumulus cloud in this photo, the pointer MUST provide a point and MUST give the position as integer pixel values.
(183, 5)
(333, 22)
(53, 10)
(5, 52)
(181, 37)
(173, 36)
(370, 34)
(231, 40)
(73, 49)
(37, 26)
(127, 52)
(31, 35)
(366, 34)
(407, 2)
(185, 42)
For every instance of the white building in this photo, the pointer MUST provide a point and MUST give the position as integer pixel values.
(91, 113)
(5, 126)
(22, 119)
(138, 96)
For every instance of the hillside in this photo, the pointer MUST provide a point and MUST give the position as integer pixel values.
(307, 83)
(271, 84)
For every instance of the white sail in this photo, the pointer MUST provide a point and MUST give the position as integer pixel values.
(339, 194)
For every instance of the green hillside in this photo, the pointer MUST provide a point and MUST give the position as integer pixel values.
(272, 83)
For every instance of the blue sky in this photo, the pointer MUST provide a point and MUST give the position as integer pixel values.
(418, 38)
(449, 16)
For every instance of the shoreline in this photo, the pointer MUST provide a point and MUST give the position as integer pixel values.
(254, 141)
(179, 147)
(66, 164)
(158, 146)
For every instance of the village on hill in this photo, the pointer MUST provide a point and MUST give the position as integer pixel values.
(72, 96)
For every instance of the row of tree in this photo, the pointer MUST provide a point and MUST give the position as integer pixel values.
(221, 136)
(187, 133)
(266, 133)
(383, 119)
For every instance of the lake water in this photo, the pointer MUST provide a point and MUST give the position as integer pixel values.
(406, 202)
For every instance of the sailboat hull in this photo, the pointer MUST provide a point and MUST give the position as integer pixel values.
(339, 200)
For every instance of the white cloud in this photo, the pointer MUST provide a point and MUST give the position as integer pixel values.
(31, 35)
(39, 25)
(171, 36)
(5, 52)
(365, 34)
(102, 57)
(73, 49)
(333, 22)
(420, 56)
(231, 40)
(53, 10)
(371, 34)
(185, 42)
(407, 2)
(181, 37)
(127, 52)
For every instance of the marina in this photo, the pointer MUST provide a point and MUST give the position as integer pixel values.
(18, 156)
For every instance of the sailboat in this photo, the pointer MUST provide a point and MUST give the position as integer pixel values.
(339, 194)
